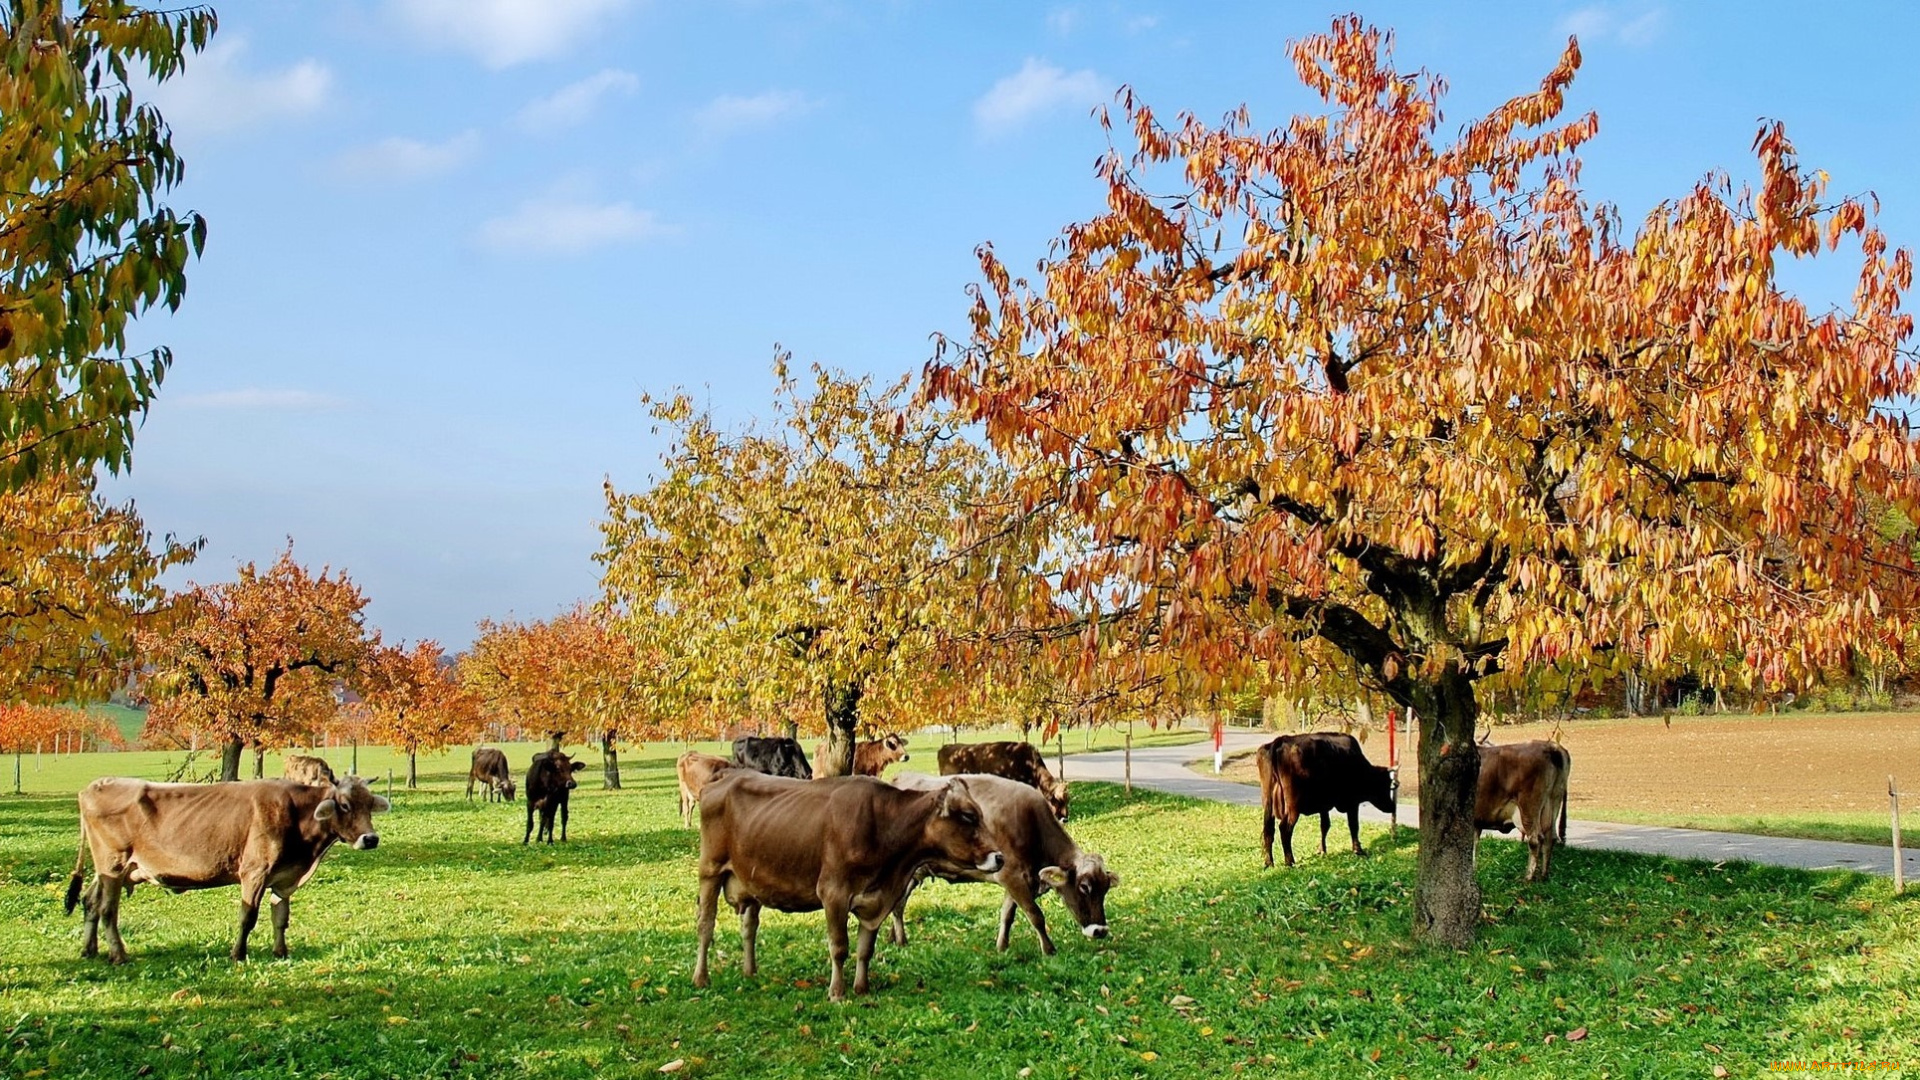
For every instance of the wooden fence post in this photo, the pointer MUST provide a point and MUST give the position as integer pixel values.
(1899, 861)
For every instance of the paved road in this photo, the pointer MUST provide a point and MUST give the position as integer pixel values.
(1164, 768)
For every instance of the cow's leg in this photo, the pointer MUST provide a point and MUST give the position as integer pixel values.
(1326, 823)
(709, 908)
(1287, 821)
(528, 835)
(1266, 833)
(252, 891)
(836, 912)
(1024, 900)
(900, 911)
(1353, 827)
(686, 809)
(107, 902)
(863, 958)
(564, 803)
(90, 919)
(282, 907)
(749, 934)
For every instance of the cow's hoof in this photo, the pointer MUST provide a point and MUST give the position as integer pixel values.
(1048, 948)
(700, 981)
(280, 953)
(1360, 853)
(116, 957)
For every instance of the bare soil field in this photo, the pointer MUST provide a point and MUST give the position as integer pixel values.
(1821, 776)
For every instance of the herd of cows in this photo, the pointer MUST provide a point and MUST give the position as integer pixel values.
(772, 834)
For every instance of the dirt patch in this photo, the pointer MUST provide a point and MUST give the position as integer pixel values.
(1716, 766)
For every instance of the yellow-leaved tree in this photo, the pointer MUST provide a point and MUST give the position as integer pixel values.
(819, 559)
(1422, 400)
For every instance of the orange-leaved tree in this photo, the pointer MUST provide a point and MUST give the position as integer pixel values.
(1424, 401)
(76, 577)
(575, 676)
(821, 558)
(255, 661)
(413, 702)
(45, 727)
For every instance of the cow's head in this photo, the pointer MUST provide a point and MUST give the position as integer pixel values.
(956, 831)
(347, 812)
(507, 789)
(1056, 793)
(897, 748)
(1381, 790)
(1082, 885)
(564, 768)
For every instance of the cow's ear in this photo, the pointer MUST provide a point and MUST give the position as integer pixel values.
(1113, 879)
(578, 765)
(326, 810)
(381, 805)
(1054, 876)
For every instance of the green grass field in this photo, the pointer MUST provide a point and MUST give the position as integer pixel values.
(453, 951)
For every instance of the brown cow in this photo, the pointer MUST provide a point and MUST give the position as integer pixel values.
(260, 835)
(870, 758)
(491, 772)
(549, 784)
(1040, 856)
(695, 769)
(1315, 773)
(844, 845)
(1016, 761)
(1530, 778)
(304, 769)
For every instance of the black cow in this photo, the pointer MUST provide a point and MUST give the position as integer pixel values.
(549, 783)
(778, 757)
(1313, 774)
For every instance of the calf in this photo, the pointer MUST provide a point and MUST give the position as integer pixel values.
(259, 835)
(776, 757)
(491, 772)
(843, 845)
(1315, 773)
(1529, 778)
(303, 769)
(1017, 761)
(1039, 854)
(870, 758)
(549, 783)
(695, 770)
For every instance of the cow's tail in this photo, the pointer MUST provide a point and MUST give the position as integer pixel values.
(1566, 773)
(1270, 795)
(79, 870)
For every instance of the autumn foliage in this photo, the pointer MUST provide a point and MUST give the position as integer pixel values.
(255, 661)
(1345, 385)
(414, 703)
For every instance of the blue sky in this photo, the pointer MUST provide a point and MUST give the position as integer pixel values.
(452, 242)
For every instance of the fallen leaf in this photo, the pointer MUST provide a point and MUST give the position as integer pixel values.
(1180, 1001)
(1148, 1055)
(674, 1066)
(1577, 1034)
(1720, 1070)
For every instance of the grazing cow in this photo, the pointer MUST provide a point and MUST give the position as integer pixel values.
(842, 845)
(776, 757)
(1315, 773)
(870, 758)
(259, 835)
(549, 784)
(491, 772)
(303, 769)
(1040, 856)
(1530, 778)
(695, 769)
(1016, 761)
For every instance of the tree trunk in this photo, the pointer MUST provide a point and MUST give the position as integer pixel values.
(610, 761)
(1636, 695)
(843, 716)
(413, 768)
(355, 767)
(793, 729)
(230, 758)
(1446, 892)
(259, 762)
(17, 754)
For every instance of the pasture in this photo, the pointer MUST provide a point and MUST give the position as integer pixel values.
(1823, 777)
(453, 951)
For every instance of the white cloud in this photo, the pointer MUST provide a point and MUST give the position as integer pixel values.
(730, 113)
(503, 33)
(1598, 23)
(1063, 20)
(573, 103)
(398, 158)
(1037, 88)
(567, 226)
(256, 399)
(216, 93)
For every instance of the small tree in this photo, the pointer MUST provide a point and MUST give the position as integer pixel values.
(414, 703)
(255, 661)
